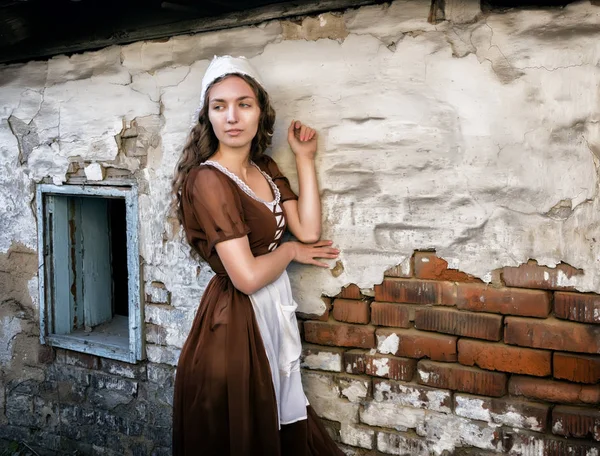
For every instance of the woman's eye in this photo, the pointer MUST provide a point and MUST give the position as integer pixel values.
(217, 107)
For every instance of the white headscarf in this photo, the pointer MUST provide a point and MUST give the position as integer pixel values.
(221, 66)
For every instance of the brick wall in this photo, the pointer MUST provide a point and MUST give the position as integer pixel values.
(438, 361)
(86, 405)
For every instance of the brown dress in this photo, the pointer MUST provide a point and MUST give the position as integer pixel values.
(224, 401)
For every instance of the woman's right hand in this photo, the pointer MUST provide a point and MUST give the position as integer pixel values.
(307, 253)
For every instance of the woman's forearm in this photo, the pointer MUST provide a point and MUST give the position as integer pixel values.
(249, 273)
(309, 202)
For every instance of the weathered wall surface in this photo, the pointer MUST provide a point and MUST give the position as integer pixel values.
(480, 140)
(438, 363)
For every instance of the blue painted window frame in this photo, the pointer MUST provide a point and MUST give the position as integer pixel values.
(133, 351)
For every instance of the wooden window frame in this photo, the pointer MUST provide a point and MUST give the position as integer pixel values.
(133, 351)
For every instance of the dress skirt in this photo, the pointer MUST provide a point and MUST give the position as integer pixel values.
(225, 402)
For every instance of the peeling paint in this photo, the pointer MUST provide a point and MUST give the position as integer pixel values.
(412, 396)
(468, 167)
(464, 168)
(355, 391)
(357, 436)
(381, 367)
(388, 344)
(323, 360)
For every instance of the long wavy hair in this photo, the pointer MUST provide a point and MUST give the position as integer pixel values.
(202, 142)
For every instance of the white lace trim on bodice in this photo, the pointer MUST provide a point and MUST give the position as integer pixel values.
(246, 189)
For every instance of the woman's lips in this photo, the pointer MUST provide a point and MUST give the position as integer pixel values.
(234, 132)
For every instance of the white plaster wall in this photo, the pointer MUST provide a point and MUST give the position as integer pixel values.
(481, 140)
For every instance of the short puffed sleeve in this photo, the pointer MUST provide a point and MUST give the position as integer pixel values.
(216, 207)
(282, 182)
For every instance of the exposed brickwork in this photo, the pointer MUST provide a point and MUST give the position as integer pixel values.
(451, 321)
(411, 343)
(351, 311)
(552, 334)
(533, 276)
(429, 266)
(416, 291)
(461, 378)
(505, 301)
(324, 317)
(405, 269)
(554, 391)
(322, 358)
(520, 443)
(576, 422)
(390, 314)
(350, 292)
(584, 308)
(505, 358)
(90, 405)
(340, 334)
(505, 411)
(412, 395)
(577, 368)
(457, 356)
(390, 367)
(355, 361)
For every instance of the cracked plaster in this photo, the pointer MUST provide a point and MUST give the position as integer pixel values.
(479, 140)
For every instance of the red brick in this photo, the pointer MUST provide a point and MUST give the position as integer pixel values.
(451, 321)
(390, 367)
(533, 276)
(554, 391)
(404, 269)
(503, 410)
(416, 291)
(324, 317)
(461, 378)
(340, 334)
(505, 358)
(411, 343)
(577, 307)
(390, 314)
(354, 361)
(576, 422)
(351, 311)
(506, 301)
(536, 444)
(577, 368)
(552, 334)
(350, 292)
(430, 266)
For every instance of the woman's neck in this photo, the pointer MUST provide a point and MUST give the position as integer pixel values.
(235, 160)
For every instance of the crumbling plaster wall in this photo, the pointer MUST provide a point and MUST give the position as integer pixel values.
(481, 140)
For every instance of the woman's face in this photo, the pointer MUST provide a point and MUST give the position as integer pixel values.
(233, 112)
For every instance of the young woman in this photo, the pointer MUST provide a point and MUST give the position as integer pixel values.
(238, 389)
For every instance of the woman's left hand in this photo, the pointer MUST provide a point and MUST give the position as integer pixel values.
(302, 140)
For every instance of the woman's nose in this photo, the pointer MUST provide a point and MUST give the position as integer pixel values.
(232, 114)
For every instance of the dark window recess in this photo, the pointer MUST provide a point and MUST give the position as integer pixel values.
(88, 257)
(118, 236)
